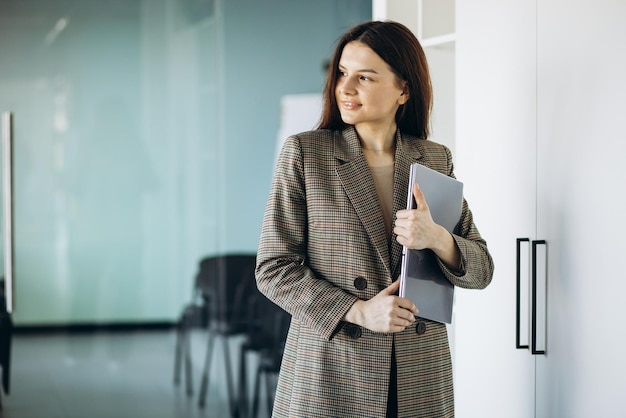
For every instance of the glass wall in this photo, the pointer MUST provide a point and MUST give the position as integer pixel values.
(144, 139)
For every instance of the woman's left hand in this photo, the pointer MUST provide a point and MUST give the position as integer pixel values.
(415, 228)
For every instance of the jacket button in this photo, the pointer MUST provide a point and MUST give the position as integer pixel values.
(420, 328)
(360, 283)
(354, 331)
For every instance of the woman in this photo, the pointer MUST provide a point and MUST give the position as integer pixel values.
(330, 250)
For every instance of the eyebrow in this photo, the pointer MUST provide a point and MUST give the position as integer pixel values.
(364, 70)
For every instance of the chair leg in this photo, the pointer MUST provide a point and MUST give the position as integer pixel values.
(179, 350)
(188, 363)
(183, 353)
(232, 402)
(256, 395)
(205, 373)
(243, 382)
(269, 393)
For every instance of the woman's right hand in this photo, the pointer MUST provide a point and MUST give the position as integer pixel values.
(386, 312)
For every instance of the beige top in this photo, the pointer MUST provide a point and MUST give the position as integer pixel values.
(383, 180)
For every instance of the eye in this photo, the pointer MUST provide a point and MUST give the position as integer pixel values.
(365, 78)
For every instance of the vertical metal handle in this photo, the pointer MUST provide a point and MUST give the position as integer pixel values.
(7, 205)
(536, 306)
(518, 321)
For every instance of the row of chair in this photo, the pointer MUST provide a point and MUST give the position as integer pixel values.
(227, 302)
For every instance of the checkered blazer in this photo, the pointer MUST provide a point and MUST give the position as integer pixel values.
(323, 228)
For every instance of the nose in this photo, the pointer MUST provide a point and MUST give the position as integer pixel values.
(346, 85)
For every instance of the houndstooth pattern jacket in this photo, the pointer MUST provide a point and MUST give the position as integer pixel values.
(322, 247)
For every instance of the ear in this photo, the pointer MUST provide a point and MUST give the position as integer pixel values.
(404, 97)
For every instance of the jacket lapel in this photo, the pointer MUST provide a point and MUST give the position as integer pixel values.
(357, 182)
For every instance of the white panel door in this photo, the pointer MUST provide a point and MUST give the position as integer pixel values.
(496, 159)
(581, 201)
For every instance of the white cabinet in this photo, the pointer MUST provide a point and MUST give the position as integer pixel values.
(540, 145)
(580, 163)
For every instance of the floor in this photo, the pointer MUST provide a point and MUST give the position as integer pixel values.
(114, 374)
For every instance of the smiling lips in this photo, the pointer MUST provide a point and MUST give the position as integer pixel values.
(349, 105)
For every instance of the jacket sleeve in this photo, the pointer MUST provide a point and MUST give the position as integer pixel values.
(282, 273)
(477, 266)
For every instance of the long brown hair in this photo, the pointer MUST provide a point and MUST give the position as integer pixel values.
(401, 50)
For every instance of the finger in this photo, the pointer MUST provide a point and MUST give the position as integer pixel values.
(392, 289)
(419, 197)
(408, 305)
(402, 213)
(404, 318)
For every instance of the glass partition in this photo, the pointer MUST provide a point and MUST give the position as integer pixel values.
(116, 154)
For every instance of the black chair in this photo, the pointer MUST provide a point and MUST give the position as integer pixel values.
(227, 281)
(194, 315)
(266, 334)
(222, 285)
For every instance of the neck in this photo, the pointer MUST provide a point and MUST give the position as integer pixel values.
(377, 140)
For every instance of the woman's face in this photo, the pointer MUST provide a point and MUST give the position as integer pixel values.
(367, 91)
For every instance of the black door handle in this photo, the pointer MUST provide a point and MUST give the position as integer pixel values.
(518, 338)
(534, 349)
